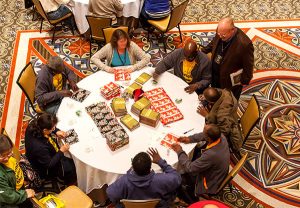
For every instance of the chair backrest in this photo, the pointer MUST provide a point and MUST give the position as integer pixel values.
(26, 82)
(40, 8)
(97, 24)
(16, 152)
(233, 172)
(250, 117)
(74, 197)
(36, 203)
(177, 15)
(149, 203)
(109, 31)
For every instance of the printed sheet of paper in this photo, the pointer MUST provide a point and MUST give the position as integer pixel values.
(236, 77)
(80, 95)
(168, 140)
(71, 137)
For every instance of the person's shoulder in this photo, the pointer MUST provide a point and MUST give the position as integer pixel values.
(243, 38)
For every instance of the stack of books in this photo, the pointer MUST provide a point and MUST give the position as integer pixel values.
(139, 105)
(118, 105)
(129, 90)
(122, 75)
(110, 90)
(143, 78)
(130, 122)
(149, 117)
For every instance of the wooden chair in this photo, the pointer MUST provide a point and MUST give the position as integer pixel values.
(74, 197)
(54, 23)
(149, 203)
(16, 152)
(96, 25)
(26, 81)
(36, 203)
(168, 23)
(109, 31)
(250, 118)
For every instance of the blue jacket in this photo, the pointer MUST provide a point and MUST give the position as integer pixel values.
(154, 185)
(157, 8)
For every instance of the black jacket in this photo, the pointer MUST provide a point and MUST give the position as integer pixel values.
(42, 155)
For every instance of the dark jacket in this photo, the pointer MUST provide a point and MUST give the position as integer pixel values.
(239, 55)
(201, 72)
(213, 165)
(152, 186)
(9, 196)
(157, 8)
(224, 114)
(45, 92)
(42, 155)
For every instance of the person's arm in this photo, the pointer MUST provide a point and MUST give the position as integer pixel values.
(71, 76)
(115, 191)
(198, 137)
(170, 176)
(42, 94)
(197, 166)
(168, 62)
(140, 55)
(102, 54)
(206, 72)
(10, 195)
(118, 6)
(208, 49)
(248, 62)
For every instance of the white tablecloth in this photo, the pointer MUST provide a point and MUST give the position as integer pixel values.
(96, 164)
(80, 9)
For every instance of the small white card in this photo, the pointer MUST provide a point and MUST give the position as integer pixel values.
(236, 77)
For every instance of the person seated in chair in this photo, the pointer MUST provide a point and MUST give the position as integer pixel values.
(43, 152)
(154, 10)
(56, 9)
(191, 65)
(106, 8)
(13, 194)
(219, 106)
(51, 84)
(141, 183)
(121, 52)
(205, 174)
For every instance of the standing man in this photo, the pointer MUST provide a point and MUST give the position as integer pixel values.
(189, 64)
(232, 57)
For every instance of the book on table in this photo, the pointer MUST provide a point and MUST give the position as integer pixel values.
(139, 105)
(143, 78)
(130, 122)
(118, 106)
(132, 87)
(149, 117)
(110, 90)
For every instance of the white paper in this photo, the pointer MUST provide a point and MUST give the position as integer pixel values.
(236, 77)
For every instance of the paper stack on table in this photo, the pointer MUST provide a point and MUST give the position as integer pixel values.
(116, 136)
(149, 117)
(139, 105)
(168, 140)
(132, 87)
(130, 122)
(143, 78)
(122, 75)
(161, 103)
(80, 95)
(118, 105)
(110, 90)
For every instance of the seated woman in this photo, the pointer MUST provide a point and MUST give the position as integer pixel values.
(43, 152)
(121, 52)
(154, 10)
(12, 189)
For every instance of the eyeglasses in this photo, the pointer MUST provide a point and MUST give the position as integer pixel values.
(2, 157)
(225, 34)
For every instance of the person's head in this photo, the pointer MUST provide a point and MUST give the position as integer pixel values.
(211, 95)
(226, 28)
(56, 64)
(6, 147)
(120, 39)
(190, 50)
(46, 123)
(141, 164)
(212, 131)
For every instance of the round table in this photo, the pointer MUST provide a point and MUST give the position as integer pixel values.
(96, 164)
(131, 8)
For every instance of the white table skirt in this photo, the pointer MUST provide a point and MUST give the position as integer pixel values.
(96, 164)
(80, 10)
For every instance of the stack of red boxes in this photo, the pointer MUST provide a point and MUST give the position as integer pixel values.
(110, 91)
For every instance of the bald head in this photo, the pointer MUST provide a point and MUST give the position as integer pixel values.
(211, 94)
(212, 131)
(226, 28)
(190, 50)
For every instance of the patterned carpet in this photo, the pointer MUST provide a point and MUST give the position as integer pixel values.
(271, 176)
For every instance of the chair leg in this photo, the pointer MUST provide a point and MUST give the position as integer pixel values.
(179, 32)
(164, 41)
(53, 34)
(41, 25)
(90, 47)
(230, 187)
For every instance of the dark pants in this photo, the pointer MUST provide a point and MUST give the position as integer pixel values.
(26, 204)
(186, 191)
(144, 17)
(59, 13)
(237, 90)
